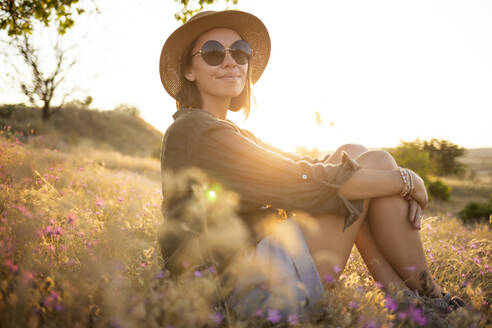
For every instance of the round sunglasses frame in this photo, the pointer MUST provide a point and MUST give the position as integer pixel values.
(235, 51)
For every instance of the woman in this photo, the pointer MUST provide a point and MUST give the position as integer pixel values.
(357, 196)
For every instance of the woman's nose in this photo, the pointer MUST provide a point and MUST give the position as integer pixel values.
(228, 60)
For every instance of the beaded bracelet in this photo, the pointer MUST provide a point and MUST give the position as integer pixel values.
(407, 182)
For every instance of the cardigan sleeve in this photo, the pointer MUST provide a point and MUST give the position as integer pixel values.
(263, 177)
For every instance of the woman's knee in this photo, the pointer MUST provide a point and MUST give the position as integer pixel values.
(377, 159)
(353, 150)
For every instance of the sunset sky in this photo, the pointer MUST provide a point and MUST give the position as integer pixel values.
(378, 72)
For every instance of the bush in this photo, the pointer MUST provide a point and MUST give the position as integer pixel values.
(410, 155)
(474, 211)
(436, 156)
(439, 190)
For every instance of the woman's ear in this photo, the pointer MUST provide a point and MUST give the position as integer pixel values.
(188, 74)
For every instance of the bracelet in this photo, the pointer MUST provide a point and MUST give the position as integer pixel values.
(411, 182)
(407, 182)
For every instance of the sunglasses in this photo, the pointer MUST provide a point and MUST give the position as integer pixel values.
(213, 52)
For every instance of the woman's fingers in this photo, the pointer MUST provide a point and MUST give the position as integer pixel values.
(418, 218)
(420, 192)
(412, 209)
(415, 214)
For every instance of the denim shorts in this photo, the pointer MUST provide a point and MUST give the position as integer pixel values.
(288, 284)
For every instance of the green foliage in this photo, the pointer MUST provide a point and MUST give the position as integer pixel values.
(445, 154)
(438, 189)
(410, 155)
(191, 7)
(436, 156)
(475, 211)
(17, 16)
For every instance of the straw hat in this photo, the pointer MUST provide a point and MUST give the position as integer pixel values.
(248, 26)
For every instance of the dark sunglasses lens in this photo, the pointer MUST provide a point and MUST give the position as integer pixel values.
(213, 52)
(241, 51)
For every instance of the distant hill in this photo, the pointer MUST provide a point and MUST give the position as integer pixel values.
(122, 130)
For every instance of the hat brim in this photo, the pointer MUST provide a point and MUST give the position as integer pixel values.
(248, 26)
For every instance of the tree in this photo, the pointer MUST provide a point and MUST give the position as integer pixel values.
(445, 154)
(191, 7)
(17, 16)
(41, 87)
(410, 155)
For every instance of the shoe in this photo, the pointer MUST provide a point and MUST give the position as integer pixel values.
(447, 303)
(409, 301)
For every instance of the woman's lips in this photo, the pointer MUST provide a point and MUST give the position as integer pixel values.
(229, 77)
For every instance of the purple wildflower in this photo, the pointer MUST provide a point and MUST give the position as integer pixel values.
(217, 317)
(48, 231)
(292, 319)
(259, 313)
(197, 273)
(336, 269)
(390, 303)
(353, 305)
(273, 316)
(10, 264)
(115, 322)
(71, 218)
(417, 316)
(371, 324)
(329, 278)
(99, 202)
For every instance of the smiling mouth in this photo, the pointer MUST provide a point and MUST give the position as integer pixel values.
(229, 77)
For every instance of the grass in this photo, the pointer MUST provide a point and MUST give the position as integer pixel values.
(78, 248)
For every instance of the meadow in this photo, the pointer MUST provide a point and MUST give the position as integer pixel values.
(78, 248)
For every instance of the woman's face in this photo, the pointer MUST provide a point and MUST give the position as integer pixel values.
(224, 80)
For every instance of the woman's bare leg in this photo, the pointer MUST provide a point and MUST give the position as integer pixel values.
(377, 264)
(330, 246)
(379, 267)
(389, 245)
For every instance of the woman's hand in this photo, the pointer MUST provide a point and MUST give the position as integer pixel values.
(415, 214)
(419, 193)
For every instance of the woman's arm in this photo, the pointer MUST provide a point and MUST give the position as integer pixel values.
(369, 183)
(262, 177)
(290, 155)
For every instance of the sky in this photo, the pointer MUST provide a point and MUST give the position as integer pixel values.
(377, 72)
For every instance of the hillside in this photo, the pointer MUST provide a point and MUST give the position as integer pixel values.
(117, 130)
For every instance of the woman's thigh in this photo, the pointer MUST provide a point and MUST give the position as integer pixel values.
(329, 245)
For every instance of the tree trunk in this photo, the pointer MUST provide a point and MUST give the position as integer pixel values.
(46, 111)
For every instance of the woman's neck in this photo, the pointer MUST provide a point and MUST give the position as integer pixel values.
(217, 106)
